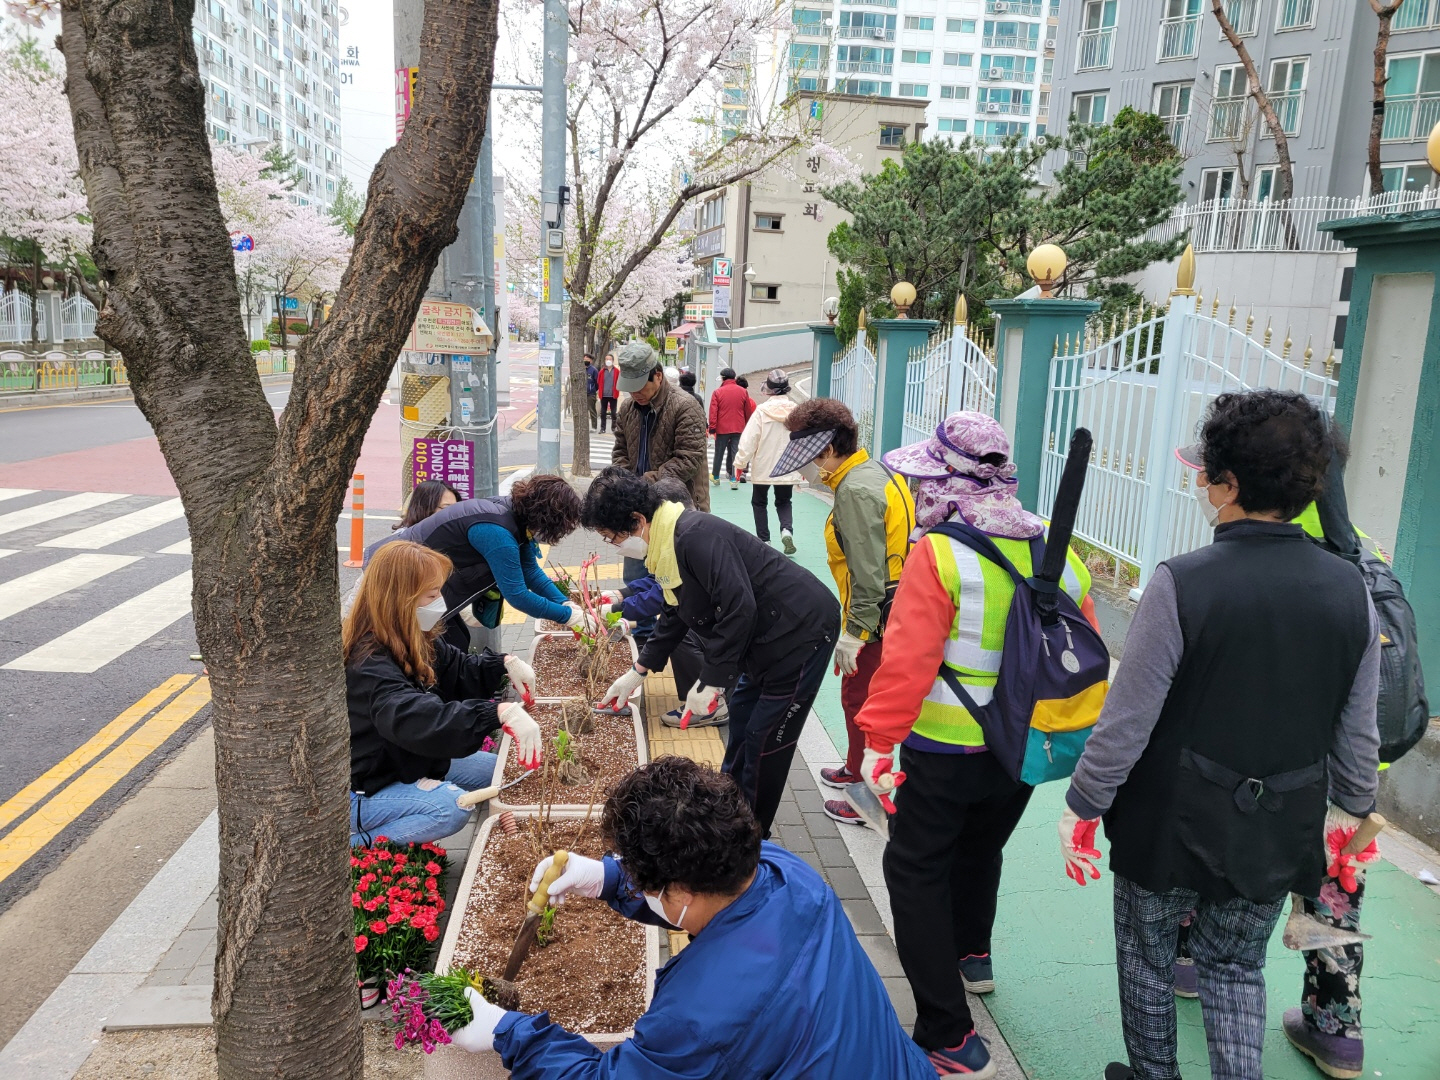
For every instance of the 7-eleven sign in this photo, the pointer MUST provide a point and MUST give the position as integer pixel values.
(722, 271)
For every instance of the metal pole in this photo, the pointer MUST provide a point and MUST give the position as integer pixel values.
(487, 450)
(552, 179)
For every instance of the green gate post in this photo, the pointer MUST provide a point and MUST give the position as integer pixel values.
(1025, 337)
(822, 357)
(1391, 358)
(897, 338)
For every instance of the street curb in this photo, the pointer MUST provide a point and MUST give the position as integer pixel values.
(99, 393)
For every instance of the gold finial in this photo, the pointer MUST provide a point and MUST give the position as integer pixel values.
(1215, 307)
(962, 313)
(861, 324)
(1330, 363)
(1067, 344)
(1128, 463)
(1057, 346)
(1232, 312)
(1268, 320)
(1249, 322)
(1185, 273)
(1309, 352)
(1285, 346)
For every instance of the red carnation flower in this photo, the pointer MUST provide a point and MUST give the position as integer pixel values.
(432, 868)
(360, 942)
(379, 926)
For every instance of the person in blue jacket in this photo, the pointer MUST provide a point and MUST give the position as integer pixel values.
(774, 982)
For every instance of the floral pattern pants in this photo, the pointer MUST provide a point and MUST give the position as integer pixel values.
(1331, 998)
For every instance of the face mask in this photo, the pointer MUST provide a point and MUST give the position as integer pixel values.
(431, 613)
(654, 904)
(1208, 510)
(633, 547)
(811, 472)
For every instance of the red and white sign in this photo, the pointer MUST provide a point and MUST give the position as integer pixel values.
(722, 272)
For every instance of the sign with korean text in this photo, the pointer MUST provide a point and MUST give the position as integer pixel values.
(441, 326)
(720, 300)
(407, 82)
(722, 272)
(449, 460)
(545, 280)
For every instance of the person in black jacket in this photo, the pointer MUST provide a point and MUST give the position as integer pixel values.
(420, 709)
(768, 626)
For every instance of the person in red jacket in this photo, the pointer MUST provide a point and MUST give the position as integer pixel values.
(730, 406)
(608, 384)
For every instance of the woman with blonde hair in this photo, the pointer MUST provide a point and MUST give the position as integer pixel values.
(420, 709)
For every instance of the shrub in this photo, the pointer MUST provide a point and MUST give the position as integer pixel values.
(259, 346)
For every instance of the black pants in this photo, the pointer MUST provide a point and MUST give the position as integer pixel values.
(765, 720)
(594, 411)
(685, 664)
(758, 499)
(952, 817)
(725, 444)
(607, 406)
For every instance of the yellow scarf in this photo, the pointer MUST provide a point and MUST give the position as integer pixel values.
(660, 558)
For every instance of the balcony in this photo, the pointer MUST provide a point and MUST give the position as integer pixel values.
(863, 67)
(1003, 108)
(1012, 41)
(1175, 129)
(1288, 106)
(1096, 49)
(997, 140)
(1179, 37)
(1227, 119)
(872, 3)
(875, 32)
(1005, 74)
(1015, 7)
(1409, 117)
(1244, 15)
(810, 30)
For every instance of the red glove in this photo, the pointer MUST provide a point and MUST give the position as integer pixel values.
(1077, 845)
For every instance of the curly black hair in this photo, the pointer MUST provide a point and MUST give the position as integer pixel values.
(827, 413)
(678, 822)
(1275, 444)
(615, 497)
(546, 506)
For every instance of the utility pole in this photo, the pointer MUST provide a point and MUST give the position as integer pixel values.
(553, 196)
(469, 273)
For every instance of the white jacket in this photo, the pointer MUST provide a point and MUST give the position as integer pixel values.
(764, 440)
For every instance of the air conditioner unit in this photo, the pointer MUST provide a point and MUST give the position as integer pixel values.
(999, 7)
(229, 114)
(997, 73)
(878, 32)
(1050, 44)
(993, 106)
(305, 55)
(274, 26)
(325, 9)
(275, 100)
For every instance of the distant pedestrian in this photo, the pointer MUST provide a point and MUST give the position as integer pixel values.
(687, 383)
(730, 409)
(592, 389)
(761, 443)
(608, 382)
(1246, 695)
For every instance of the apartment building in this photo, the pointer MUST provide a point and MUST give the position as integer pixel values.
(271, 71)
(1315, 58)
(982, 66)
(774, 230)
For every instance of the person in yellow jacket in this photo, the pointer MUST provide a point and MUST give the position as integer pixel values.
(867, 537)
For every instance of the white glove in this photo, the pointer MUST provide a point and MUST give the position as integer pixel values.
(467, 616)
(700, 701)
(611, 596)
(1077, 844)
(521, 727)
(580, 620)
(479, 1033)
(846, 650)
(878, 771)
(582, 877)
(522, 677)
(622, 688)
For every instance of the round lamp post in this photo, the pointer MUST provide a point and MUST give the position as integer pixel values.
(831, 309)
(1046, 263)
(902, 296)
(1432, 148)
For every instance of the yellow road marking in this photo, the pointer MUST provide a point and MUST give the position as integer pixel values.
(20, 804)
(526, 422)
(46, 823)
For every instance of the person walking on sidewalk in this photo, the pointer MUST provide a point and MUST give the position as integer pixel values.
(1247, 689)
(867, 537)
(608, 382)
(592, 389)
(761, 443)
(767, 623)
(957, 806)
(730, 409)
(687, 383)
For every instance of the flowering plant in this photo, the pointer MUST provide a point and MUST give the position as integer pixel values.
(428, 1007)
(396, 897)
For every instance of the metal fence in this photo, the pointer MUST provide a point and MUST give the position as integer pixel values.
(15, 311)
(77, 318)
(852, 380)
(57, 370)
(950, 373)
(1291, 225)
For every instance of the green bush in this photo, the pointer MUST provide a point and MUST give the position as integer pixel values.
(260, 346)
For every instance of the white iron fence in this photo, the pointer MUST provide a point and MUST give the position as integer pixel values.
(77, 318)
(1142, 394)
(15, 311)
(852, 380)
(1273, 225)
(951, 373)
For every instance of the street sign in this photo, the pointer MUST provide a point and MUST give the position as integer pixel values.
(722, 271)
(441, 326)
(241, 242)
(449, 460)
(545, 280)
(290, 303)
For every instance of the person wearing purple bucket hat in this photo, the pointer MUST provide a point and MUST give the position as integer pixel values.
(957, 807)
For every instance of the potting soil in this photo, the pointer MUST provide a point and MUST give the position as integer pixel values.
(607, 753)
(557, 666)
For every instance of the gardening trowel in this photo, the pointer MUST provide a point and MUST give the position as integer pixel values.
(864, 802)
(469, 799)
(533, 911)
(1306, 933)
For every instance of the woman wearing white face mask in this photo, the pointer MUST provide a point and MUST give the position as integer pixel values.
(420, 709)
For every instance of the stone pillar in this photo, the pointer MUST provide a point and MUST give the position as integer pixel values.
(822, 357)
(1389, 402)
(897, 338)
(1025, 343)
(50, 300)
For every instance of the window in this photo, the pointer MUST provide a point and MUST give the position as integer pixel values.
(892, 134)
(1097, 35)
(1172, 105)
(1294, 14)
(864, 24)
(1227, 105)
(809, 57)
(958, 93)
(713, 212)
(1217, 184)
(994, 132)
(959, 26)
(1264, 182)
(1179, 29)
(959, 59)
(808, 20)
(862, 87)
(1417, 15)
(1088, 108)
(735, 95)
(1011, 35)
(1011, 68)
(765, 294)
(1409, 176)
(768, 222)
(954, 125)
(1412, 97)
(1286, 90)
(915, 56)
(996, 99)
(864, 59)
(909, 89)
(919, 22)
(1244, 16)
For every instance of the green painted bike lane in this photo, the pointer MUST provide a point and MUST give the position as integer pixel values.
(1056, 998)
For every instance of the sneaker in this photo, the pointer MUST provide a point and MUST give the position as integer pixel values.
(714, 481)
(1117, 1070)
(842, 811)
(839, 777)
(1333, 1055)
(721, 715)
(970, 1058)
(734, 486)
(787, 541)
(1187, 981)
(977, 973)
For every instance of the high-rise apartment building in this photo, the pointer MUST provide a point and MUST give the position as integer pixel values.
(1315, 58)
(271, 70)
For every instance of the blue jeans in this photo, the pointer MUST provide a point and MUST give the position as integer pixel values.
(409, 814)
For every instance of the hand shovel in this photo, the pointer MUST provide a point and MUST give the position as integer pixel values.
(865, 803)
(533, 911)
(1306, 933)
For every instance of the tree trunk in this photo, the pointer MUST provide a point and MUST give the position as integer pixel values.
(262, 501)
(1285, 169)
(1385, 13)
(35, 302)
(579, 402)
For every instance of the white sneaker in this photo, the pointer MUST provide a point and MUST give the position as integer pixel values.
(787, 541)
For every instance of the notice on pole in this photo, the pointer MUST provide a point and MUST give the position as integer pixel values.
(448, 460)
(545, 280)
(443, 327)
(547, 375)
(720, 298)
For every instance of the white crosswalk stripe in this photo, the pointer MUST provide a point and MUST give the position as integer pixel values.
(38, 515)
(181, 548)
(14, 493)
(26, 591)
(121, 528)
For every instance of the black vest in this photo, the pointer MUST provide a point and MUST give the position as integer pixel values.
(1229, 796)
(448, 532)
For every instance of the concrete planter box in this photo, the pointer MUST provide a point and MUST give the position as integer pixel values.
(567, 635)
(450, 1063)
(498, 804)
